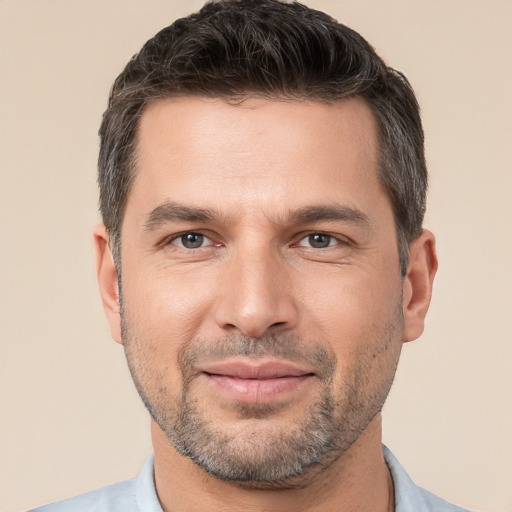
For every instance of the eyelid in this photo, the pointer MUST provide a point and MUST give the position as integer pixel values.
(207, 238)
(340, 239)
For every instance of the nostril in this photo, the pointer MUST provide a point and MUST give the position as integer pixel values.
(277, 324)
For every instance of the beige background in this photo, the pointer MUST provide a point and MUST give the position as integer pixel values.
(70, 417)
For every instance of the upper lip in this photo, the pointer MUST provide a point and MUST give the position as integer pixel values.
(255, 370)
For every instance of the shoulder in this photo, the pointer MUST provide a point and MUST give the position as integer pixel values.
(132, 495)
(113, 498)
(408, 496)
(437, 504)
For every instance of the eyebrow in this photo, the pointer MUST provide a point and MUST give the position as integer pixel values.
(170, 211)
(311, 214)
(175, 212)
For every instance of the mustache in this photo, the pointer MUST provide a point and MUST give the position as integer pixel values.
(282, 347)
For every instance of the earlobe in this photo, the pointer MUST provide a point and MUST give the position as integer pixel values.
(108, 281)
(417, 286)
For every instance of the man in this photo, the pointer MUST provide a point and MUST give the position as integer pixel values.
(262, 261)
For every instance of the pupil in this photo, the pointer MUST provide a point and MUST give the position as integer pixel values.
(192, 240)
(319, 241)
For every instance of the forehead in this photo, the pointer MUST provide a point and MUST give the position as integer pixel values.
(199, 119)
(259, 152)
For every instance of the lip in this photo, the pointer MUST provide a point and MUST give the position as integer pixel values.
(255, 370)
(260, 382)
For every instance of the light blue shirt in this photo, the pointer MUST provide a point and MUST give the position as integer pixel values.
(139, 495)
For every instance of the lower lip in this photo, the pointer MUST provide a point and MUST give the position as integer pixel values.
(257, 390)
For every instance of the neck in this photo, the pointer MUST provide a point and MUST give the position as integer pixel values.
(358, 480)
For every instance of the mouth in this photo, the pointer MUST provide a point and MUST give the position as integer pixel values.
(262, 382)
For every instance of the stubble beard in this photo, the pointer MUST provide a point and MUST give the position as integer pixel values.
(263, 455)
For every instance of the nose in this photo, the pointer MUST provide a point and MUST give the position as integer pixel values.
(256, 295)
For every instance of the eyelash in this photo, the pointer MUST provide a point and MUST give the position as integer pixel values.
(332, 238)
(179, 236)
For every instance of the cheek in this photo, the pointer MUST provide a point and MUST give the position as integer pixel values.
(166, 308)
(360, 319)
(348, 304)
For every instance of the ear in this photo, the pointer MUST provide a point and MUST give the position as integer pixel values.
(108, 281)
(417, 286)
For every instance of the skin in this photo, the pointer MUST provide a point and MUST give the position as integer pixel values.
(259, 276)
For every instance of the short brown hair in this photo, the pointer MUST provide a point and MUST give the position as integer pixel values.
(231, 49)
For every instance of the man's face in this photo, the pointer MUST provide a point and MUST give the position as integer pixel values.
(261, 289)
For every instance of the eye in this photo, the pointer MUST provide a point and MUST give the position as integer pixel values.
(318, 241)
(191, 240)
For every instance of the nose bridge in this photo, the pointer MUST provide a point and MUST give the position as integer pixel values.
(256, 295)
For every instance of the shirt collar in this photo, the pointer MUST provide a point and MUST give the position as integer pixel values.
(145, 489)
(408, 496)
